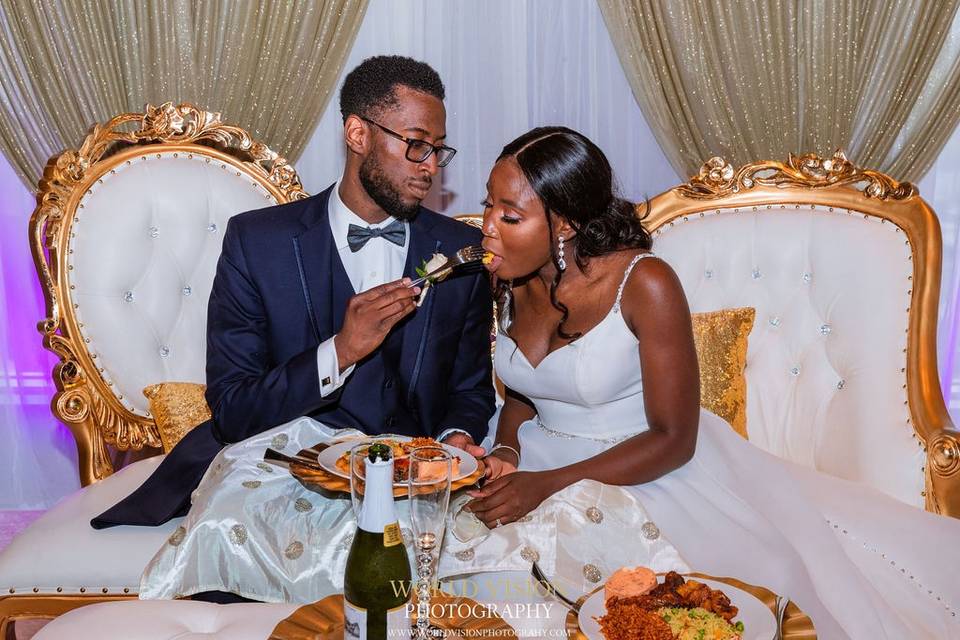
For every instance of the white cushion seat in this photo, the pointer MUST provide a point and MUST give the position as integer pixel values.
(60, 553)
(167, 619)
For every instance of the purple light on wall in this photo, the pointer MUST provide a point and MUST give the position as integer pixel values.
(38, 457)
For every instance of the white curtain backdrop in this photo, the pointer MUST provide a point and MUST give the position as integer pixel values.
(508, 66)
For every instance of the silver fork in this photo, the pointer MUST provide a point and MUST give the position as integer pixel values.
(541, 577)
(464, 256)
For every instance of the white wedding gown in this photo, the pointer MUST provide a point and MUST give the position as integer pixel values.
(863, 565)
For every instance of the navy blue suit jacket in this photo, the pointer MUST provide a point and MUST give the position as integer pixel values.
(280, 290)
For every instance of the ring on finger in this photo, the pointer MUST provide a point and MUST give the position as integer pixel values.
(498, 523)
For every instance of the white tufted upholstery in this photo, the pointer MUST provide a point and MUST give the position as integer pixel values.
(144, 249)
(826, 368)
(60, 554)
(142, 261)
(166, 620)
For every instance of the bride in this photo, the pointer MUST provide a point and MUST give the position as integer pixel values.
(597, 354)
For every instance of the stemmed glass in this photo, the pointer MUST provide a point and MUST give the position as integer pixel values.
(429, 485)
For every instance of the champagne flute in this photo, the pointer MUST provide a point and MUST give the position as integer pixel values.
(429, 485)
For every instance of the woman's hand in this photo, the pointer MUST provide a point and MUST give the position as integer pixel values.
(510, 497)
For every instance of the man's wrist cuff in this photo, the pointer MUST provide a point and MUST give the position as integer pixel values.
(449, 432)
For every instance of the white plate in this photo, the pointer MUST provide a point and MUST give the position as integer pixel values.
(329, 456)
(758, 621)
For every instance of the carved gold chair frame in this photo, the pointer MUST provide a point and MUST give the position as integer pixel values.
(836, 182)
(85, 401)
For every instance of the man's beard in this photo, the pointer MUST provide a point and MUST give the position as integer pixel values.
(383, 192)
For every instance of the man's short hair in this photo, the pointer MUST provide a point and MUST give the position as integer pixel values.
(371, 87)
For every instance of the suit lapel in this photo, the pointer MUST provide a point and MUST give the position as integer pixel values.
(423, 244)
(326, 287)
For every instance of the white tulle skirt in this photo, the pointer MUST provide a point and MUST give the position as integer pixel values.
(862, 564)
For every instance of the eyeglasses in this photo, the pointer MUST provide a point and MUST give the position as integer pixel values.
(419, 150)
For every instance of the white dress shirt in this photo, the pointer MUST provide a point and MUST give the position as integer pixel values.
(379, 261)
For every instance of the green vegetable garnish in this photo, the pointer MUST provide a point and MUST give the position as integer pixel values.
(378, 450)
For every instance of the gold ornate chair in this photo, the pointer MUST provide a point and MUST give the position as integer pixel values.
(126, 236)
(843, 267)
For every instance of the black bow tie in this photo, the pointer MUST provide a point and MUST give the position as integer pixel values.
(394, 232)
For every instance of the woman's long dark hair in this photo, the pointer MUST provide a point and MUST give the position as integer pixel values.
(573, 179)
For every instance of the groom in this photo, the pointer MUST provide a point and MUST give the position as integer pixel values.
(310, 312)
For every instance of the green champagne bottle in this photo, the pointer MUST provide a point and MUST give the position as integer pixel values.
(376, 584)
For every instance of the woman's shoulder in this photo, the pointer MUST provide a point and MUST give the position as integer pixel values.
(643, 267)
(650, 280)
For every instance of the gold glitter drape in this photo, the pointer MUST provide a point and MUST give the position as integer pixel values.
(269, 66)
(757, 80)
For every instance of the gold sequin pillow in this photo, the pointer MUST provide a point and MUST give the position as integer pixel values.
(721, 339)
(177, 407)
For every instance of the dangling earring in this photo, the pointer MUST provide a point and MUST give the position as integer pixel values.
(560, 261)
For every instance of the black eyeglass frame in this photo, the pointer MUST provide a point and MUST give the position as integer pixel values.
(442, 160)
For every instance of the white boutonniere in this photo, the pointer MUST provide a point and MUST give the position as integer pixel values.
(436, 261)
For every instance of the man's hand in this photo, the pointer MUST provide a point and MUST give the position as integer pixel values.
(370, 316)
(465, 442)
(497, 466)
